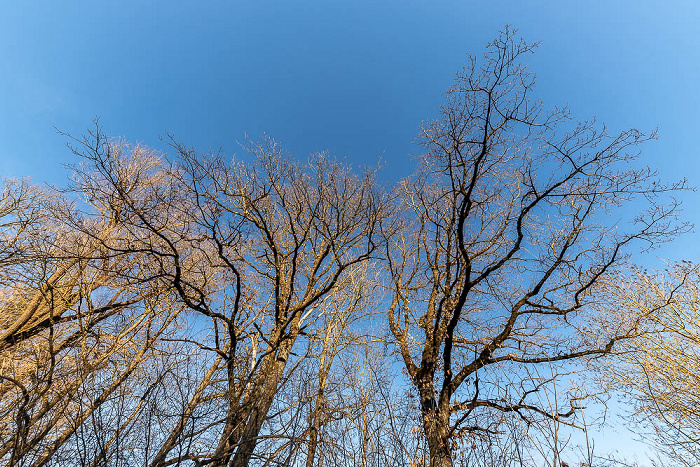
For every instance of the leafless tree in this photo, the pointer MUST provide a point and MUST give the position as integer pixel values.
(659, 371)
(70, 322)
(509, 229)
(253, 250)
(204, 311)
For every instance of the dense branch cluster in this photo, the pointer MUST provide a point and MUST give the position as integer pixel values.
(197, 310)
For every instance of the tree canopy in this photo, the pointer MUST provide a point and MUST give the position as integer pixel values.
(196, 309)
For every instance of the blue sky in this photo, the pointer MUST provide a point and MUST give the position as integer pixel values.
(354, 78)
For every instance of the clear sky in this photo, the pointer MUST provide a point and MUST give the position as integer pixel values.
(352, 77)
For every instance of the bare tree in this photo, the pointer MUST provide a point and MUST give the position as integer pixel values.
(211, 312)
(659, 371)
(253, 250)
(508, 231)
(340, 406)
(69, 321)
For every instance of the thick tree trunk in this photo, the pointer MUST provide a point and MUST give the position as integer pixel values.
(436, 425)
(440, 454)
(271, 376)
(245, 419)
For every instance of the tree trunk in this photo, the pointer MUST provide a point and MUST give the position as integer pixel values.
(245, 418)
(440, 455)
(260, 406)
(436, 425)
(313, 433)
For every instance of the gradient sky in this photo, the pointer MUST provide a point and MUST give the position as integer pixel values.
(352, 77)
